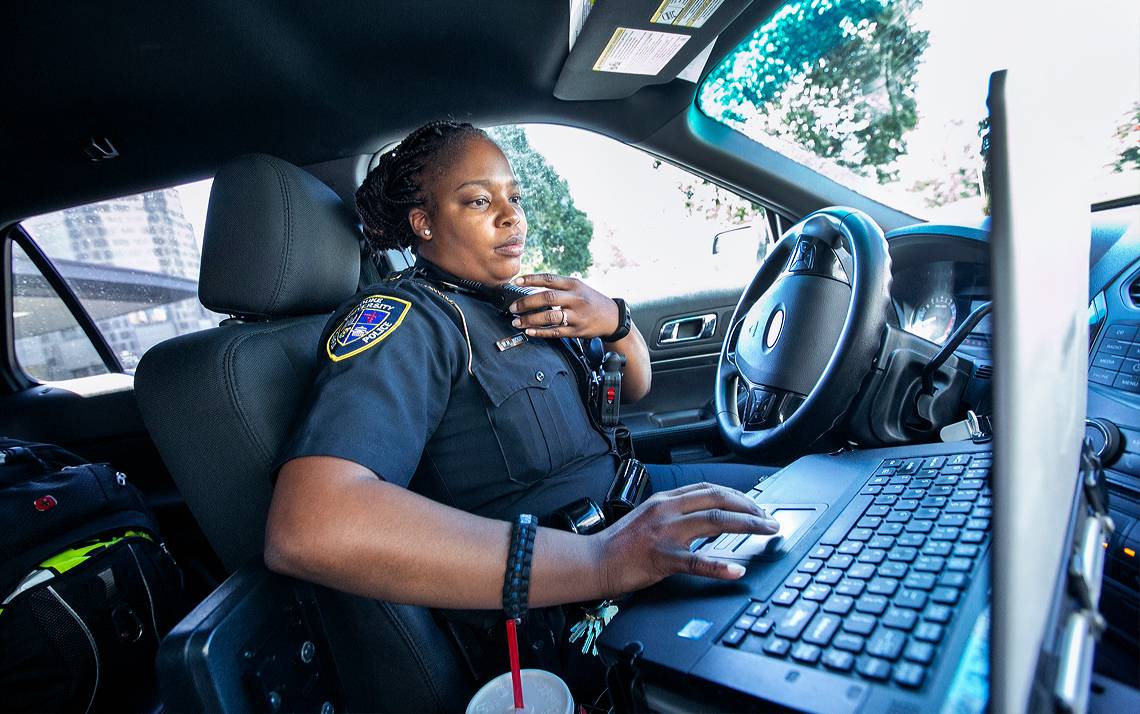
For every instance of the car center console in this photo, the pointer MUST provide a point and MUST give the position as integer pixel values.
(1113, 427)
(1116, 361)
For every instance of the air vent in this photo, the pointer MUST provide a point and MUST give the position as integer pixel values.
(984, 371)
(1134, 291)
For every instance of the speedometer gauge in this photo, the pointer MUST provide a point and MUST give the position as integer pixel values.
(934, 319)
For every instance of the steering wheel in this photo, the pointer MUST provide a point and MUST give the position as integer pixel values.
(804, 335)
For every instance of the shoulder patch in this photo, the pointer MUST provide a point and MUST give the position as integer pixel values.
(366, 325)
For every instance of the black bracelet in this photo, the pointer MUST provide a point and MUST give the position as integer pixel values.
(516, 580)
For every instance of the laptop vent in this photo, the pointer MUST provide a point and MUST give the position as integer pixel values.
(1134, 291)
(984, 371)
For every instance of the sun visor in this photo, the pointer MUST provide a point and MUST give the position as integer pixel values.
(624, 46)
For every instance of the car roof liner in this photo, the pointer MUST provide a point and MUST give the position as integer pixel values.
(178, 89)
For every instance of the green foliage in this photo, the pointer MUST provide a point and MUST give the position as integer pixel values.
(559, 233)
(835, 77)
(1128, 134)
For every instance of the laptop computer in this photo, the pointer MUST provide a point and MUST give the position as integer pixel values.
(919, 578)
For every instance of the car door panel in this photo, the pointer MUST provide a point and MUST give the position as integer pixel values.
(653, 315)
(676, 416)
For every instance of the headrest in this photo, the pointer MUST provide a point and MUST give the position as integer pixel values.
(277, 242)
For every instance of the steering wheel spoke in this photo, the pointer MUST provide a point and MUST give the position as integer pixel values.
(730, 368)
(765, 407)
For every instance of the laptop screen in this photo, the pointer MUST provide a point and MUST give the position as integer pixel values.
(1039, 259)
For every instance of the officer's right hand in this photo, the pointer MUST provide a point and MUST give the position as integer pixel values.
(652, 542)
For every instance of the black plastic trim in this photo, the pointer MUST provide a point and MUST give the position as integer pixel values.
(702, 428)
(1116, 203)
(980, 233)
(13, 379)
(1131, 276)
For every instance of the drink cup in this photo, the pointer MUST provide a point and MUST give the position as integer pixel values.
(543, 693)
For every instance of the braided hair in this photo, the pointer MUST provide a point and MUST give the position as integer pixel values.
(395, 185)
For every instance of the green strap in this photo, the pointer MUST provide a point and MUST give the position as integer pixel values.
(60, 563)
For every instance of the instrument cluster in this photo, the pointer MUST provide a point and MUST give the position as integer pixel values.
(931, 300)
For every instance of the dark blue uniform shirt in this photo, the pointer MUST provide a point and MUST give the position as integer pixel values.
(415, 389)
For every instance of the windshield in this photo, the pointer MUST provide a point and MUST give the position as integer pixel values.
(887, 97)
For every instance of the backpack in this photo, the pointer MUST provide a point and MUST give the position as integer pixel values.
(87, 588)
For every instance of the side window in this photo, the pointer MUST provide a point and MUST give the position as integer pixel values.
(50, 344)
(629, 224)
(132, 262)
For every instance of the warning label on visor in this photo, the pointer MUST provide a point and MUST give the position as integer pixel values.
(633, 51)
(685, 13)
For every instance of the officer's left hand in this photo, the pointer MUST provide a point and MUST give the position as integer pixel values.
(577, 309)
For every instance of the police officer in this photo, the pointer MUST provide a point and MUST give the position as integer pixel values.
(439, 415)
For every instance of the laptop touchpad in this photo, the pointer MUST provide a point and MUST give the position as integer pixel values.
(794, 519)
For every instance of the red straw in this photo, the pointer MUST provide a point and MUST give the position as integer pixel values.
(516, 674)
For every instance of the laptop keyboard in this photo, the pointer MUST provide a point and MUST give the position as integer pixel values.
(875, 601)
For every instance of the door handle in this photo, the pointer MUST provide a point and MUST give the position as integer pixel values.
(687, 329)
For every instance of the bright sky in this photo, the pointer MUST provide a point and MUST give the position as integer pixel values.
(618, 184)
(973, 37)
(195, 199)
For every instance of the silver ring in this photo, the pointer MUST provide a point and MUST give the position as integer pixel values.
(565, 320)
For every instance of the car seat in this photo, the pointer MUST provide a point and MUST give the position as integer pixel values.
(280, 252)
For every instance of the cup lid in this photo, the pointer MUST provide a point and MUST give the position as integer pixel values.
(543, 693)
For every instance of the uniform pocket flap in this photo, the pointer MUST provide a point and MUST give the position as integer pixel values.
(501, 381)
